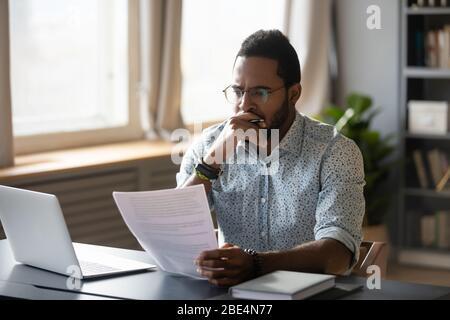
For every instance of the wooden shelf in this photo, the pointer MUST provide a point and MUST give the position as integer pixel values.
(427, 11)
(426, 136)
(427, 193)
(426, 73)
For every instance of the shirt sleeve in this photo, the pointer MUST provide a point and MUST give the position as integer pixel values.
(341, 205)
(190, 159)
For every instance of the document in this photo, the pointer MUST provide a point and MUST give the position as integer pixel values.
(172, 225)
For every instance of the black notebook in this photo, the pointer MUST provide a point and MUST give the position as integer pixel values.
(283, 285)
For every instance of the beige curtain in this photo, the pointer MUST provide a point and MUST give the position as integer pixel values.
(160, 30)
(309, 30)
(6, 136)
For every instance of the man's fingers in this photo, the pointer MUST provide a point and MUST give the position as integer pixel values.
(243, 125)
(219, 273)
(224, 267)
(227, 263)
(216, 263)
(224, 282)
(220, 258)
(214, 254)
(246, 116)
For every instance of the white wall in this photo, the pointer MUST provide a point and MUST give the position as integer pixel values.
(369, 62)
(369, 59)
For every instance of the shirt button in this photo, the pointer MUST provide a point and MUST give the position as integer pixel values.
(263, 234)
(263, 200)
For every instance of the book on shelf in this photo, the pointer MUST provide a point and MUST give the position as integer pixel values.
(431, 50)
(429, 3)
(434, 162)
(420, 169)
(419, 49)
(283, 285)
(435, 230)
(432, 168)
(428, 230)
(444, 181)
(444, 47)
(436, 44)
(418, 3)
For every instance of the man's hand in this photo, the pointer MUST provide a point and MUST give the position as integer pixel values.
(224, 146)
(226, 266)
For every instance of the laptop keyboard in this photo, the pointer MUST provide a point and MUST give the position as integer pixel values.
(89, 267)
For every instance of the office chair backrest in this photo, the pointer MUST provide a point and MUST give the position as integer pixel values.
(371, 253)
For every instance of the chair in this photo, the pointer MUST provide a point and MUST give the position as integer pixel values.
(371, 253)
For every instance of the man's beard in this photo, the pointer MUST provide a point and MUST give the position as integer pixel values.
(280, 117)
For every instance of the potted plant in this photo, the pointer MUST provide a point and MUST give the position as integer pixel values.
(354, 121)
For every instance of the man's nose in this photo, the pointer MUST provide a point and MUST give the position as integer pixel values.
(246, 103)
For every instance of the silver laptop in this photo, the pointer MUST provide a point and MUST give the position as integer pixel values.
(38, 236)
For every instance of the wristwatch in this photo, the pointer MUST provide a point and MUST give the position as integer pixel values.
(257, 261)
(206, 172)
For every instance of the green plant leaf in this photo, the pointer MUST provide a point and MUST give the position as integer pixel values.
(331, 115)
(372, 138)
(359, 103)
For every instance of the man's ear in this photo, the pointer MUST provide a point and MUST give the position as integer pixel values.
(295, 91)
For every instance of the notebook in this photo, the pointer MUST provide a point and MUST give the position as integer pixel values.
(283, 285)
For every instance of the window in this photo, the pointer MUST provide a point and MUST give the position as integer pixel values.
(212, 32)
(70, 71)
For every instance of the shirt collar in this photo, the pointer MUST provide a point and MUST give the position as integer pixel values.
(292, 141)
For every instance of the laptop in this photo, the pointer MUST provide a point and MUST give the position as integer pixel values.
(38, 236)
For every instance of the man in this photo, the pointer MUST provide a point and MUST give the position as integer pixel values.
(304, 216)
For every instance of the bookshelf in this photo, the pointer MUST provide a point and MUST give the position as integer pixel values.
(426, 73)
(424, 136)
(422, 209)
(419, 192)
(426, 11)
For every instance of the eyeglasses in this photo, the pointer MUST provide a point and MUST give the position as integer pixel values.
(258, 95)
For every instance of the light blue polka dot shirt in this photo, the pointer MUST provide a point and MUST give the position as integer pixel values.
(315, 192)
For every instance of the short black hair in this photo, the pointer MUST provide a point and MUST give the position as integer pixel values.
(273, 44)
